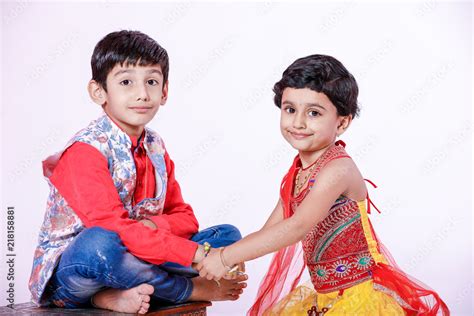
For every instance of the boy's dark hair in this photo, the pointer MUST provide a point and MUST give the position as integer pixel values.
(130, 48)
(324, 74)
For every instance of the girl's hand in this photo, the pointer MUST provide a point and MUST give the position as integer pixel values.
(211, 267)
(233, 275)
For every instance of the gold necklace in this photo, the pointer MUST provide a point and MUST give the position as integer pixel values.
(299, 185)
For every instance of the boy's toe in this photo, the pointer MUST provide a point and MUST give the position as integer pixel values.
(145, 306)
(146, 289)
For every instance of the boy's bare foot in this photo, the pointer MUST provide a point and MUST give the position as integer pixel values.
(229, 290)
(134, 300)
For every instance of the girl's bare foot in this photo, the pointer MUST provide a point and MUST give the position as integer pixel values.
(134, 300)
(229, 290)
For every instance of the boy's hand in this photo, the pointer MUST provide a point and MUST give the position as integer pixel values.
(148, 223)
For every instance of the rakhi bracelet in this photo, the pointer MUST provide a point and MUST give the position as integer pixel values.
(207, 248)
(229, 269)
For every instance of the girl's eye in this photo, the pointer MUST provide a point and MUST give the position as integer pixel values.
(125, 82)
(152, 82)
(313, 113)
(290, 110)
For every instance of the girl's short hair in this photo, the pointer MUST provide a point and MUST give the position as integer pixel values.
(325, 74)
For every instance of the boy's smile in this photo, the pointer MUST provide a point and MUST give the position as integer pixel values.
(310, 122)
(132, 96)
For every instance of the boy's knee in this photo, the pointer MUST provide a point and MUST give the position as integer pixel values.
(230, 232)
(93, 253)
(97, 241)
(219, 235)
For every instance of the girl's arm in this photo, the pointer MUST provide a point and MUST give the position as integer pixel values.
(276, 216)
(332, 181)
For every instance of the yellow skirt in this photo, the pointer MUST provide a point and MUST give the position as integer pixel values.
(361, 299)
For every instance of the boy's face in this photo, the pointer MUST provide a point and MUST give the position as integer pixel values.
(309, 120)
(134, 95)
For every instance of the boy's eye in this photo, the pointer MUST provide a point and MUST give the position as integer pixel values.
(125, 82)
(152, 82)
(290, 110)
(313, 113)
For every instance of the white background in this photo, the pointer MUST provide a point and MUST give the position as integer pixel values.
(413, 139)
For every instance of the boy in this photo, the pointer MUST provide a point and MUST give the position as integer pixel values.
(116, 229)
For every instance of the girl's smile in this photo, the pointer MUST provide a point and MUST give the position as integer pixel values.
(310, 122)
(299, 135)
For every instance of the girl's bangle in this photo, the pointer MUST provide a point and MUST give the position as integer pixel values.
(221, 253)
(228, 268)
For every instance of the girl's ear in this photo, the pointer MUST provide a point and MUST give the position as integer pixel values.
(97, 92)
(344, 122)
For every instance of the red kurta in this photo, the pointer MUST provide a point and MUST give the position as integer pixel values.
(82, 177)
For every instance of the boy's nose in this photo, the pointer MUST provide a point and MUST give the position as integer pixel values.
(142, 93)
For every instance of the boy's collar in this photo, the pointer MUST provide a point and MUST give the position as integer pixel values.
(137, 141)
(133, 141)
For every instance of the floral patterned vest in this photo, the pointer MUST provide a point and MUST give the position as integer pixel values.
(61, 224)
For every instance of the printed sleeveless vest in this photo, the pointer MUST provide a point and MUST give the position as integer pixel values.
(61, 224)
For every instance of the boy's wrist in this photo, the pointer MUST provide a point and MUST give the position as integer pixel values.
(199, 254)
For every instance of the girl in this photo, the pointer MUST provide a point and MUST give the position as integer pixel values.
(324, 204)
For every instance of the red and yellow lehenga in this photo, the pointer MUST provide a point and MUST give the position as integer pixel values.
(351, 272)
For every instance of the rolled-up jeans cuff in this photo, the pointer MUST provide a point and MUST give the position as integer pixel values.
(184, 297)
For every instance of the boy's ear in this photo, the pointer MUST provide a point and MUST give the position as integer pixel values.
(344, 123)
(96, 92)
(164, 95)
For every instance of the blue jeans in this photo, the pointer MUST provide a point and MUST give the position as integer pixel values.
(97, 260)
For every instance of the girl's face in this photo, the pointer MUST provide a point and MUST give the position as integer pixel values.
(309, 120)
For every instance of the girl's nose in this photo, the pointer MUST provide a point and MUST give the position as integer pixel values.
(299, 121)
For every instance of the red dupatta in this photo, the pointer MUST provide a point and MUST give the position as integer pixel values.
(287, 264)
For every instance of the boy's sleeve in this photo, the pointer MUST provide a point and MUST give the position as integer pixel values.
(82, 177)
(176, 213)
